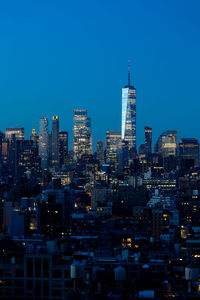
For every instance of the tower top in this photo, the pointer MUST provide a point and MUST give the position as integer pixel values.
(129, 76)
(129, 73)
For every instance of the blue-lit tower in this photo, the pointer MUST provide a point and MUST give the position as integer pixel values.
(129, 114)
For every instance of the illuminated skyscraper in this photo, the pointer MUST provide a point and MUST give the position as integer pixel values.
(148, 140)
(189, 150)
(166, 144)
(113, 145)
(34, 136)
(55, 141)
(44, 142)
(129, 114)
(18, 133)
(82, 133)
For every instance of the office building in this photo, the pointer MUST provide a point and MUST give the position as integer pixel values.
(166, 144)
(189, 150)
(44, 142)
(113, 145)
(128, 132)
(63, 148)
(82, 134)
(100, 152)
(148, 140)
(17, 133)
(55, 141)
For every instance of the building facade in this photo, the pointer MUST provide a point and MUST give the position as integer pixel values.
(148, 140)
(189, 150)
(166, 144)
(82, 134)
(63, 148)
(55, 141)
(113, 146)
(44, 142)
(100, 152)
(18, 133)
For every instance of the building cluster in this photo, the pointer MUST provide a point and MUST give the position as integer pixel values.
(118, 223)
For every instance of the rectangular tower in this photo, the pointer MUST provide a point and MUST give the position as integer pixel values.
(82, 134)
(55, 141)
(113, 145)
(44, 142)
(148, 140)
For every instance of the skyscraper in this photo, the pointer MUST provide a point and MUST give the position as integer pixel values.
(189, 150)
(44, 142)
(17, 132)
(113, 145)
(129, 114)
(55, 141)
(63, 148)
(82, 133)
(166, 144)
(34, 136)
(100, 152)
(148, 140)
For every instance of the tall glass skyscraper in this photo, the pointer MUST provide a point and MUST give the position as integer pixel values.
(44, 142)
(82, 133)
(129, 114)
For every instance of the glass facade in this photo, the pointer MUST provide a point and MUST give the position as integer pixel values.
(166, 144)
(82, 134)
(113, 145)
(44, 142)
(129, 116)
(189, 149)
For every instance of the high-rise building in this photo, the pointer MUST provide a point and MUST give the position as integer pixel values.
(166, 144)
(55, 141)
(44, 142)
(82, 134)
(113, 145)
(18, 133)
(128, 132)
(148, 140)
(63, 148)
(34, 137)
(100, 152)
(189, 150)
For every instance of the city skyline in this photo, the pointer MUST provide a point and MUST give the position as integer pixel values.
(64, 63)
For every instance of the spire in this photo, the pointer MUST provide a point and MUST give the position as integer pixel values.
(129, 73)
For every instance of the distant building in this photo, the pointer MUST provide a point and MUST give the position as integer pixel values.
(166, 144)
(82, 134)
(44, 142)
(128, 132)
(100, 152)
(148, 140)
(113, 145)
(189, 150)
(55, 141)
(63, 148)
(18, 133)
(34, 137)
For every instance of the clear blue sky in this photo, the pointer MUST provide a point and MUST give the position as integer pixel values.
(59, 55)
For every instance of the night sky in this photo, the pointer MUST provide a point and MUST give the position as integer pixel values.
(56, 56)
